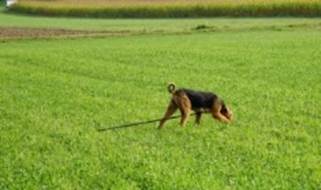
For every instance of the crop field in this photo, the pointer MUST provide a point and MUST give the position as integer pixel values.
(170, 8)
(55, 92)
(124, 3)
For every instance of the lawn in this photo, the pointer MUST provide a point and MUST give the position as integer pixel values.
(54, 94)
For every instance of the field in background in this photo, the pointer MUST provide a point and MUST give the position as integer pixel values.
(55, 93)
(161, 25)
(126, 3)
(43, 27)
(170, 9)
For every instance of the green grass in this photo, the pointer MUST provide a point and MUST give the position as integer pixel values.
(55, 93)
(159, 25)
(169, 9)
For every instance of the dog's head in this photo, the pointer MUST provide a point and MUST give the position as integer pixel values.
(227, 112)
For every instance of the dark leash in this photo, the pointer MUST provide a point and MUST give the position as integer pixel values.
(136, 124)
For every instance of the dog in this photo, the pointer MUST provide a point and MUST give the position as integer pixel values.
(200, 102)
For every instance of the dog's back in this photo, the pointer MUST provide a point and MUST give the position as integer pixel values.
(199, 99)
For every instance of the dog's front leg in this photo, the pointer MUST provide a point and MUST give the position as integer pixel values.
(216, 113)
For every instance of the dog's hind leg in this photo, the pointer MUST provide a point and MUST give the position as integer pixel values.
(172, 107)
(184, 117)
(184, 106)
(198, 118)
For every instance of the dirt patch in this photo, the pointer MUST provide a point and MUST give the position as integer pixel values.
(7, 33)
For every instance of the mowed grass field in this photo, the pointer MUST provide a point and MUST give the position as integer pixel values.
(56, 93)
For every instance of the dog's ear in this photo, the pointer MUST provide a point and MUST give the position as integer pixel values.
(227, 112)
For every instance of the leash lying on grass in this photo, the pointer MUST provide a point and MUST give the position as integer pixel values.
(136, 124)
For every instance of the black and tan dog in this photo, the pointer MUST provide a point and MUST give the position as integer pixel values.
(187, 100)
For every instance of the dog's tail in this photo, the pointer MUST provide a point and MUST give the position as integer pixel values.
(171, 88)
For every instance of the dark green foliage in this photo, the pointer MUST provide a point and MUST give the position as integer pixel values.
(298, 9)
(201, 27)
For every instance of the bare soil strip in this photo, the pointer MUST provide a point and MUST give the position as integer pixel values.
(7, 33)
